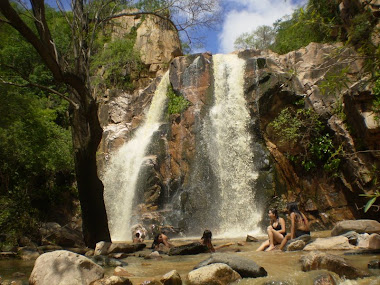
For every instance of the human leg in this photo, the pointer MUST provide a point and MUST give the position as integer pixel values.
(263, 246)
(284, 241)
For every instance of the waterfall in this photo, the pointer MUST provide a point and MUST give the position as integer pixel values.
(229, 145)
(124, 165)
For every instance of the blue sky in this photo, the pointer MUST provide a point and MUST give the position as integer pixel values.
(241, 16)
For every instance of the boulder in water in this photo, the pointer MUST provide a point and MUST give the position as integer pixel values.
(296, 245)
(320, 260)
(189, 249)
(330, 243)
(359, 226)
(217, 273)
(247, 268)
(374, 264)
(171, 278)
(64, 267)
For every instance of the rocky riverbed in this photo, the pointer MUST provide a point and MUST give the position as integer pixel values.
(322, 261)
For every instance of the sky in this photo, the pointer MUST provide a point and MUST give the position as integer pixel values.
(238, 16)
(241, 16)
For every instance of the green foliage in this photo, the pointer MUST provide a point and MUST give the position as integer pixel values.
(376, 101)
(177, 103)
(36, 156)
(304, 130)
(372, 199)
(121, 63)
(261, 38)
(315, 23)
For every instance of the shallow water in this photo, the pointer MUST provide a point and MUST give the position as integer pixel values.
(279, 265)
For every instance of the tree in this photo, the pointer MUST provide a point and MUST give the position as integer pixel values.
(261, 38)
(71, 71)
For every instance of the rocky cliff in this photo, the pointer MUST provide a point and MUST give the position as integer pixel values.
(177, 172)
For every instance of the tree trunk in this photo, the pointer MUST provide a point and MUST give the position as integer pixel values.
(87, 134)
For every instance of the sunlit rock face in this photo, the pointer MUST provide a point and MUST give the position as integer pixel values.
(216, 163)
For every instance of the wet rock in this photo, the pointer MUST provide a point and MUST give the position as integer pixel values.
(151, 282)
(319, 260)
(7, 255)
(305, 238)
(125, 247)
(171, 278)
(113, 280)
(53, 233)
(217, 273)
(244, 266)
(374, 264)
(331, 243)
(49, 248)
(119, 255)
(90, 252)
(251, 239)
(106, 261)
(359, 226)
(353, 237)
(324, 279)
(189, 249)
(120, 271)
(28, 253)
(296, 245)
(374, 241)
(18, 275)
(64, 267)
(102, 247)
(276, 283)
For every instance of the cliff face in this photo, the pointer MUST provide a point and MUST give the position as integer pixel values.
(177, 181)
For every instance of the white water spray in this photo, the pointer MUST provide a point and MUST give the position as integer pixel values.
(123, 169)
(230, 148)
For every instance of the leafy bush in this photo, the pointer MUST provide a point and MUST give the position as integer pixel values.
(120, 62)
(177, 103)
(303, 129)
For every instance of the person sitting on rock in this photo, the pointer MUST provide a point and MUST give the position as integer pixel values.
(276, 231)
(206, 240)
(299, 224)
(161, 239)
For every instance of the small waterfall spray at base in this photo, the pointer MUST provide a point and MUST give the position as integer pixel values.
(122, 171)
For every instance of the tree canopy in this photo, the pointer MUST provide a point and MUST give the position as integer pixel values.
(53, 62)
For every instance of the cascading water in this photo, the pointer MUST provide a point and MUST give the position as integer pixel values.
(123, 168)
(229, 145)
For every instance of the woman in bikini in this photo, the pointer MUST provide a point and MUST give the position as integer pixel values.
(299, 224)
(276, 231)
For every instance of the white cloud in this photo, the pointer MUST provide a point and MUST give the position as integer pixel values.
(248, 15)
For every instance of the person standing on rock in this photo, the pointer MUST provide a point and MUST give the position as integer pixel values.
(276, 231)
(299, 224)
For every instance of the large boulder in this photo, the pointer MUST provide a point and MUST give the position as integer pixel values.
(319, 260)
(359, 226)
(171, 278)
(214, 274)
(63, 267)
(247, 268)
(331, 243)
(54, 234)
(189, 249)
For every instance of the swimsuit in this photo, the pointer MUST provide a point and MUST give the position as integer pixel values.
(278, 228)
